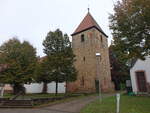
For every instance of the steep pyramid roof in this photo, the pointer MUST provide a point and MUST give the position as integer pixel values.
(87, 23)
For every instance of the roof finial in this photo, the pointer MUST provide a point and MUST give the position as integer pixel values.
(88, 8)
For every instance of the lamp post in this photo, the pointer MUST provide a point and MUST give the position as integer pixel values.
(98, 58)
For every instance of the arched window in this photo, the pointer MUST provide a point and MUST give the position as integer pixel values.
(101, 38)
(83, 58)
(82, 38)
(82, 81)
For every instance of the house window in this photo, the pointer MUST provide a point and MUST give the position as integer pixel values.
(102, 44)
(82, 38)
(101, 39)
(82, 81)
(83, 58)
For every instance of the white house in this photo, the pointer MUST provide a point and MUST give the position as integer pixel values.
(140, 75)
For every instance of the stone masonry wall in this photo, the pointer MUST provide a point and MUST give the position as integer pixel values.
(86, 62)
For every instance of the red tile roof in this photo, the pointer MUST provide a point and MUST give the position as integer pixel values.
(87, 23)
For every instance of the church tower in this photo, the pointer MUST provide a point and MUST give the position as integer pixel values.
(89, 43)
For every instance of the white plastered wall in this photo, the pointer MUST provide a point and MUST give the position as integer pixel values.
(140, 65)
(37, 87)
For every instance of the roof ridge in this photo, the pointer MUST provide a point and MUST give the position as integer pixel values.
(86, 23)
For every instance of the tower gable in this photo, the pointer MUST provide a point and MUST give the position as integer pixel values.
(87, 23)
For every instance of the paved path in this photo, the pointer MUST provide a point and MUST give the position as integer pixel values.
(67, 107)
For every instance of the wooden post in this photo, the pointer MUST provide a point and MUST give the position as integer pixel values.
(118, 102)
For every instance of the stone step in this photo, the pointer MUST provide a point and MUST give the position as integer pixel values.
(16, 106)
(16, 103)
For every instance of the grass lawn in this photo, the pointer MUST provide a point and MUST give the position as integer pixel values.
(129, 104)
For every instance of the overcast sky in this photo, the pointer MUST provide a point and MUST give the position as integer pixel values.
(31, 20)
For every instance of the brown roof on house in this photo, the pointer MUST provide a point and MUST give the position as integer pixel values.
(87, 23)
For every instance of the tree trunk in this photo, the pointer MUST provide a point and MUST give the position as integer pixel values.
(56, 88)
(117, 84)
(44, 87)
(17, 88)
(2, 92)
(66, 88)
